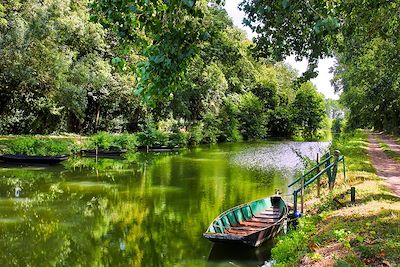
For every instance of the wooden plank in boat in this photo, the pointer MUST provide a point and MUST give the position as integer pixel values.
(245, 228)
(238, 232)
(267, 217)
(271, 215)
(264, 220)
(254, 224)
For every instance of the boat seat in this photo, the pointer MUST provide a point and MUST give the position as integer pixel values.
(268, 215)
(264, 220)
(254, 224)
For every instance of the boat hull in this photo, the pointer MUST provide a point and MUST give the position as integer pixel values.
(33, 159)
(254, 229)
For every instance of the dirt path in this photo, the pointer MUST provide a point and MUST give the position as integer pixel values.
(385, 167)
(390, 142)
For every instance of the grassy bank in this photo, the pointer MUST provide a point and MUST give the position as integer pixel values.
(366, 233)
(47, 145)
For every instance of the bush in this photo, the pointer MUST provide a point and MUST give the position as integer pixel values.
(35, 146)
(196, 134)
(166, 133)
(107, 141)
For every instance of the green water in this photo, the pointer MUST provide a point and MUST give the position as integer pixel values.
(150, 210)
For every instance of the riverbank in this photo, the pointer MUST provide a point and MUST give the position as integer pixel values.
(366, 233)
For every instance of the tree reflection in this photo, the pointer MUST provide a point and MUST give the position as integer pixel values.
(150, 211)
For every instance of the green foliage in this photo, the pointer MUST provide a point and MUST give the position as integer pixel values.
(36, 146)
(280, 122)
(252, 116)
(308, 110)
(196, 134)
(186, 60)
(229, 120)
(169, 133)
(55, 72)
(354, 147)
(173, 32)
(363, 36)
(337, 125)
(292, 27)
(107, 141)
(291, 247)
(211, 128)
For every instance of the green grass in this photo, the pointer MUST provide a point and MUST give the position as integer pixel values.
(390, 153)
(367, 233)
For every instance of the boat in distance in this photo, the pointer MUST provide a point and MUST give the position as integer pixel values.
(33, 159)
(251, 223)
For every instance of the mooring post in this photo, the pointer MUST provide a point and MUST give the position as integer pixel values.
(302, 195)
(318, 180)
(353, 195)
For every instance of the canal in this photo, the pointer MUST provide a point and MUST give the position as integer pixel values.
(146, 210)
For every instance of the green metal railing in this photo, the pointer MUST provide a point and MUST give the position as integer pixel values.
(329, 165)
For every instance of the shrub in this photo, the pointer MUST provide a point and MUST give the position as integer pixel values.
(35, 146)
(107, 141)
(196, 134)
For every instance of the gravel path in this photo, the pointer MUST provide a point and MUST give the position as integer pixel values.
(385, 167)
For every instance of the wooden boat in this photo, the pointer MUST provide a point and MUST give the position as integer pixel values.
(33, 159)
(102, 153)
(251, 223)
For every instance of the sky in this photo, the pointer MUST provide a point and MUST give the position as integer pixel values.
(322, 82)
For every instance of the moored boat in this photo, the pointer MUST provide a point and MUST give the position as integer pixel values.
(251, 223)
(33, 159)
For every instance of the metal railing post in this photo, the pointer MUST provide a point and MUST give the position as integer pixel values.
(302, 195)
(319, 180)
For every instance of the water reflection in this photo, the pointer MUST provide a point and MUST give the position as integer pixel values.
(147, 210)
(239, 254)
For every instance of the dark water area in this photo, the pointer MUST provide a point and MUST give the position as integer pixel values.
(146, 210)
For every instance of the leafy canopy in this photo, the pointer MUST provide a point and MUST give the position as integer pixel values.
(165, 35)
